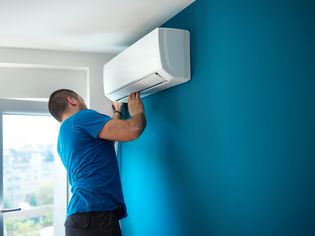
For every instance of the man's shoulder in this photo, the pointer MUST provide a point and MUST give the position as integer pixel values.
(89, 114)
(85, 113)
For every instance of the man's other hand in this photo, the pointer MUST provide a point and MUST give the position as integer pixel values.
(135, 104)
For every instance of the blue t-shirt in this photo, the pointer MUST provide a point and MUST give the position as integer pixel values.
(91, 164)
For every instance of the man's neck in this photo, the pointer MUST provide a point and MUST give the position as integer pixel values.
(66, 115)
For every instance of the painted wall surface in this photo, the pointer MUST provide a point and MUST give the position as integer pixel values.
(232, 152)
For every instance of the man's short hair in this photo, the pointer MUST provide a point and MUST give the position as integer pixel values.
(58, 102)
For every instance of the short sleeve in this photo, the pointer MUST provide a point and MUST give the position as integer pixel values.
(90, 121)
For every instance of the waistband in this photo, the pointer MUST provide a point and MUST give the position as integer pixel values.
(120, 212)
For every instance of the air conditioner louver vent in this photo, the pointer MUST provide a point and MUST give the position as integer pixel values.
(148, 82)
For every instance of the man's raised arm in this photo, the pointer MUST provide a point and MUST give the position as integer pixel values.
(126, 130)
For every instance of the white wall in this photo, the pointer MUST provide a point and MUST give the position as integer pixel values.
(38, 83)
(55, 61)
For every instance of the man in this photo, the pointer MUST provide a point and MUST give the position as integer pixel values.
(86, 148)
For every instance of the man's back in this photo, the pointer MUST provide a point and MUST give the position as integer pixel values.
(91, 164)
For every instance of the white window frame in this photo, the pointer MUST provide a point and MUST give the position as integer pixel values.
(8, 106)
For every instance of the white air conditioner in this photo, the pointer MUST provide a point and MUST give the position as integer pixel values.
(159, 60)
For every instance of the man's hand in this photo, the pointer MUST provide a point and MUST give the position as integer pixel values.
(135, 104)
(117, 106)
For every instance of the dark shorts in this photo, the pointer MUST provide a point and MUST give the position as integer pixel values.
(93, 224)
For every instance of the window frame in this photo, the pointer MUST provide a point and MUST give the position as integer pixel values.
(23, 107)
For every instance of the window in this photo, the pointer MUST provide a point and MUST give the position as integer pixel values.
(33, 176)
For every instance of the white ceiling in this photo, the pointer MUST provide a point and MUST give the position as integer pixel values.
(106, 26)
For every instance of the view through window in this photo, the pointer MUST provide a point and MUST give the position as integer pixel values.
(29, 174)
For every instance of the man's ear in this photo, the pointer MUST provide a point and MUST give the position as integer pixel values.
(72, 101)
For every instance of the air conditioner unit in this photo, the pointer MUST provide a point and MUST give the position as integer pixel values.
(159, 60)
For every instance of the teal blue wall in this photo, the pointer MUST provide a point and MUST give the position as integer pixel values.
(232, 152)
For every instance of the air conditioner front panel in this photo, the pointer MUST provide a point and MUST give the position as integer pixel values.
(147, 82)
(158, 61)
